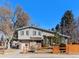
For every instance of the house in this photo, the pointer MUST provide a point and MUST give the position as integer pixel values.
(34, 36)
(2, 36)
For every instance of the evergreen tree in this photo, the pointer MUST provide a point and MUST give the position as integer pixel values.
(52, 29)
(57, 28)
(67, 25)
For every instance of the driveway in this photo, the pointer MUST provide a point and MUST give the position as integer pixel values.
(15, 54)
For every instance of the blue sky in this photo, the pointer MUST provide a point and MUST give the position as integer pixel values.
(46, 13)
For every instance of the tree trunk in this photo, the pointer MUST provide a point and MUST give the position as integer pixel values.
(9, 44)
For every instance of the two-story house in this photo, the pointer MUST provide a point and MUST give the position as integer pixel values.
(34, 36)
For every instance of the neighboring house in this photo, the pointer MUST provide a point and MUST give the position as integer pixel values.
(2, 36)
(2, 39)
(34, 36)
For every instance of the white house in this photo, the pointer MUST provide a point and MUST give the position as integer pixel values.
(33, 36)
(2, 35)
(3, 38)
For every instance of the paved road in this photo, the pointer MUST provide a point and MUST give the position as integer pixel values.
(32, 55)
(16, 54)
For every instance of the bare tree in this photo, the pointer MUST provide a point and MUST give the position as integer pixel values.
(21, 17)
(6, 23)
(21, 20)
(77, 28)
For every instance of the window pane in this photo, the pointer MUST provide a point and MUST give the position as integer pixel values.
(27, 32)
(22, 32)
(39, 33)
(34, 32)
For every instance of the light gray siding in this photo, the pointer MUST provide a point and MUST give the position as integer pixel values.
(31, 30)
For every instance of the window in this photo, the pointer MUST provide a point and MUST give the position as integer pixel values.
(22, 32)
(34, 32)
(27, 32)
(39, 33)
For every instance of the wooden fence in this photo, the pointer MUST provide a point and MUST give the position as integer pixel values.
(68, 49)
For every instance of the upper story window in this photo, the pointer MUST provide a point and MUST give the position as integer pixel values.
(39, 33)
(22, 32)
(27, 32)
(34, 32)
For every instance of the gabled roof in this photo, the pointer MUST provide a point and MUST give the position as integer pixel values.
(25, 27)
(63, 35)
